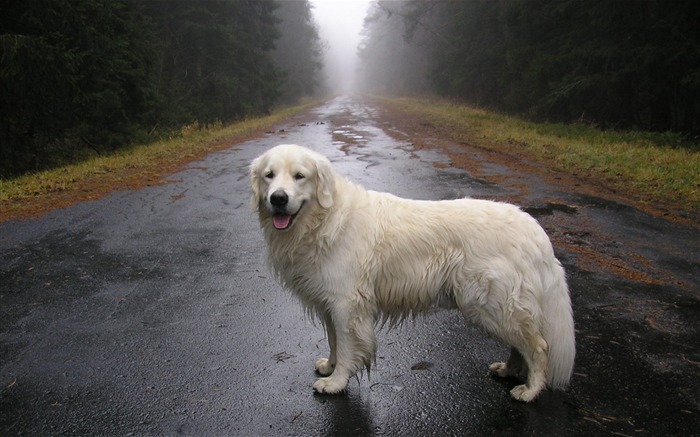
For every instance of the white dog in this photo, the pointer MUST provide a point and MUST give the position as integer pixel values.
(356, 257)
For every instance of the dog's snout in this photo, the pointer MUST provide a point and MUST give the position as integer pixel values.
(279, 198)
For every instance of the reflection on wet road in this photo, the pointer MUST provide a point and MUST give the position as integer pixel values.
(152, 312)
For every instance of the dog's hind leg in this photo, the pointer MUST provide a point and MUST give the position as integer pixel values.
(355, 345)
(325, 366)
(528, 349)
(513, 367)
(534, 353)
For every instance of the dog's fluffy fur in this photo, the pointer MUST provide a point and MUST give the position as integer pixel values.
(356, 257)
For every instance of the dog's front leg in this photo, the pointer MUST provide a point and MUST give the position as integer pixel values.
(355, 345)
(325, 366)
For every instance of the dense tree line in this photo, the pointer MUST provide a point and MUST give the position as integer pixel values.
(298, 52)
(616, 63)
(80, 77)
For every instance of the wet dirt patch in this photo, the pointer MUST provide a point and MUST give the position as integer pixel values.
(549, 208)
(591, 258)
(657, 315)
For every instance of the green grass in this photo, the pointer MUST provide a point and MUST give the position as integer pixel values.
(657, 167)
(142, 164)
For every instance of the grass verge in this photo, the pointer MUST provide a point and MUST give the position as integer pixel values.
(131, 167)
(653, 167)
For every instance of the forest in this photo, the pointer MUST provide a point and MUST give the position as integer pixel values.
(615, 64)
(80, 78)
(86, 77)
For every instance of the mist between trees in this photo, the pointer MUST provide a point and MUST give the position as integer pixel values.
(86, 77)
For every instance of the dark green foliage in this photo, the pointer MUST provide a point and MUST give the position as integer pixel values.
(620, 63)
(214, 62)
(616, 63)
(80, 77)
(71, 72)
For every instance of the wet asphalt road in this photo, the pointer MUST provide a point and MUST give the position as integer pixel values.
(152, 312)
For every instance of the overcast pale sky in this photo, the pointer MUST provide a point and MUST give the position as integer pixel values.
(340, 23)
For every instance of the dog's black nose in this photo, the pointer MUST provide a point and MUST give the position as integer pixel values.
(279, 198)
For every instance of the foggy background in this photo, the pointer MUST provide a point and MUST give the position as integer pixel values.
(340, 24)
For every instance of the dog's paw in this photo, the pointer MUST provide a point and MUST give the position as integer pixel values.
(324, 367)
(499, 369)
(524, 393)
(330, 385)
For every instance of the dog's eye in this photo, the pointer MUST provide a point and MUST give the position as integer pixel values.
(270, 174)
(299, 176)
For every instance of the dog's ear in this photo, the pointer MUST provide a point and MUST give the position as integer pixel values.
(325, 186)
(255, 183)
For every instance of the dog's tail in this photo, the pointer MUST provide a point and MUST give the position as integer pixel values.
(558, 329)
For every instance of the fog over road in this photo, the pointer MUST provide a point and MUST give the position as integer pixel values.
(152, 312)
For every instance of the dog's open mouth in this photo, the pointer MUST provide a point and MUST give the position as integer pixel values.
(282, 221)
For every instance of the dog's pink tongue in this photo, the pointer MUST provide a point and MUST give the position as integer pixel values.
(281, 221)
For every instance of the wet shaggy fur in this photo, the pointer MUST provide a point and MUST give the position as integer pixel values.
(356, 258)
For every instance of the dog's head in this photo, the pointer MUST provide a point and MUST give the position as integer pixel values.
(288, 181)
